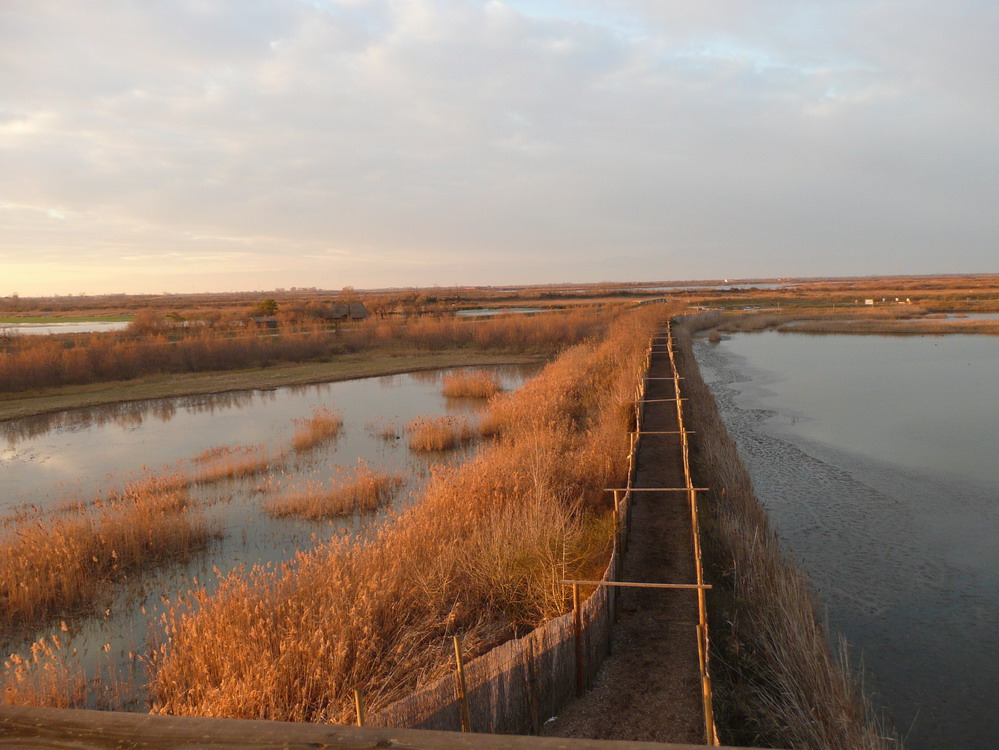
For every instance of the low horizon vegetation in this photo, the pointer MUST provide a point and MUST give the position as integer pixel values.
(38, 362)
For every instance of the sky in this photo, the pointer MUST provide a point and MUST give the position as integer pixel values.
(154, 146)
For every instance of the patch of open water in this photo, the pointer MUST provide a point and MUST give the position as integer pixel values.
(875, 458)
(50, 460)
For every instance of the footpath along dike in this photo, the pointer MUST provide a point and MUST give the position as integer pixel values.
(649, 688)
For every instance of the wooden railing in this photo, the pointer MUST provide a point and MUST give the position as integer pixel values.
(56, 728)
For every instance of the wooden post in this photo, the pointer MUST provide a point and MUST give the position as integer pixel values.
(532, 688)
(466, 717)
(359, 707)
(577, 624)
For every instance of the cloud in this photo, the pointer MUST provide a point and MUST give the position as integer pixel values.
(454, 141)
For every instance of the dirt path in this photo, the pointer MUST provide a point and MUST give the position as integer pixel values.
(649, 688)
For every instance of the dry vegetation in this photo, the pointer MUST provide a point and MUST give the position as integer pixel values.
(48, 568)
(364, 491)
(471, 384)
(231, 462)
(323, 426)
(482, 557)
(35, 362)
(779, 685)
(438, 434)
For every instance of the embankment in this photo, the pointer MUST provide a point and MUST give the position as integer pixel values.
(777, 684)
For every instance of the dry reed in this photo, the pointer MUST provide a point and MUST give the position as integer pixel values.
(481, 556)
(232, 462)
(45, 677)
(49, 568)
(437, 434)
(364, 491)
(471, 384)
(323, 426)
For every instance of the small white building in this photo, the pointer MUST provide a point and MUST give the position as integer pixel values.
(868, 302)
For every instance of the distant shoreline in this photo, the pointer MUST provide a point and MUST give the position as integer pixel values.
(344, 367)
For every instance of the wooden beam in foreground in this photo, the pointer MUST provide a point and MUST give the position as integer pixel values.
(23, 727)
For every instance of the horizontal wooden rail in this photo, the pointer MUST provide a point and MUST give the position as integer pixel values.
(657, 489)
(63, 729)
(661, 432)
(658, 400)
(641, 585)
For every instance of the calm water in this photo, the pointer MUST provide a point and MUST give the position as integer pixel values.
(49, 460)
(95, 326)
(876, 458)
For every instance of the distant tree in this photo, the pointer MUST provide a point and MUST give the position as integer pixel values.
(268, 306)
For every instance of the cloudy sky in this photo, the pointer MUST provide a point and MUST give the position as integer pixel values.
(193, 145)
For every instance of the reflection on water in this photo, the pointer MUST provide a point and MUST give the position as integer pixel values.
(77, 454)
(875, 458)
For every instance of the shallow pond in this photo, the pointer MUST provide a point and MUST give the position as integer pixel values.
(36, 329)
(875, 456)
(51, 460)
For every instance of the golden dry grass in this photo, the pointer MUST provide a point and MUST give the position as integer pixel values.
(51, 567)
(438, 434)
(45, 677)
(232, 462)
(471, 384)
(481, 556)
(323, 426)
(364, 491)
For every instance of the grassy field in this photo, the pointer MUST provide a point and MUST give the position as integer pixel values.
(346, 367)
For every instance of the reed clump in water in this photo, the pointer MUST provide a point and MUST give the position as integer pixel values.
(438, 434)
(45, 677)
(482, 556)
(232, 462)
(472, 384)
(364, 491)
(323, 426)
(777, 683)
(50, 567)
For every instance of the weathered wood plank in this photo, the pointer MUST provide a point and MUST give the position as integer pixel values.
(29, 728)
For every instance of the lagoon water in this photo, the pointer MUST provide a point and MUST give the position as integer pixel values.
(52, 460)
(876, 458)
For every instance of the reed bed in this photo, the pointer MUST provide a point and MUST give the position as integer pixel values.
(482, 556)
(364, 491)
(323, 426)
(472, 384)
(53, 567)
(777, 683)
(33, 362)
(232, 462)
(439, 434)
(45, 677)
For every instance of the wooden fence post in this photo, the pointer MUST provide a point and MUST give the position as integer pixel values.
(466, 717)
(359, 707)
(577, 625)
